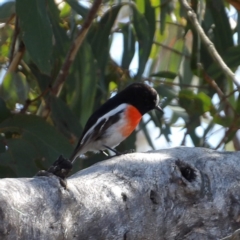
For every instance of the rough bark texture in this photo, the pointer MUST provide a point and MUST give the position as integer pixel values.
(179, 193)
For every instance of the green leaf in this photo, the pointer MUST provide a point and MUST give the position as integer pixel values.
(163, 14)
(166, 92)
(166, 132)
(174, 63)
(222, 30)
(206, 101)
(61, 44)
(2, 145)
(149, 14)
(196, 140)
(36, 32)
(164, 74)
(99, 36)
(5, 32)
(14, 89)
(43, 80)
(156, 118)
(222, 120)
(230, 57)
(20, 157)
(39, 138)
(144, 41)
(178, 114)
(81, 10)
(128, 45)
(4, 111)
(186, 71)
(7, 8)
(166, 7)
(7, 172)
(65, 10)
(195, 104)
(64, 119)
(237, 110)
(238, 27)
(83, 83)
(169, 56)
(140, 5)
(208, 129)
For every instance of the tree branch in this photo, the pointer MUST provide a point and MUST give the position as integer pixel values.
(208, 44)
(16, 59)
(179, 193)
(74, 47)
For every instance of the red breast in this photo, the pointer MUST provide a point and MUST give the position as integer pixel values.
(132, 117)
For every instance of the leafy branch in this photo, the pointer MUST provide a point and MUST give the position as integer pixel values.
(208, 44)
(74, 47)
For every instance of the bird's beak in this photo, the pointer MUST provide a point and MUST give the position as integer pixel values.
(159, 109)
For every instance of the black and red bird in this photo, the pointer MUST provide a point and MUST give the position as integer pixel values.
(116, 119)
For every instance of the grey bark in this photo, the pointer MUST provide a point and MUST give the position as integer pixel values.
(179, 193)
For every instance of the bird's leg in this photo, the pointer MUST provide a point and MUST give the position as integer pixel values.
(113, 150)
(119, 153)
(103, 152)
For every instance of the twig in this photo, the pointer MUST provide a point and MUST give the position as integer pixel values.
(221, 95)
(14, 40)
(184, 138)
(172, 23)
(74, 47)
(174, 84)
(208, 44)
(225, 137)
(228, 104)
(172, 49)
(228, 95)
(16, 58)
(29, 101)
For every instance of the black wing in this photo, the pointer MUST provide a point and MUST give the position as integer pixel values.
(97, 133)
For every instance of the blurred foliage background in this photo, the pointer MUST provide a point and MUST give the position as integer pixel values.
(159, 46)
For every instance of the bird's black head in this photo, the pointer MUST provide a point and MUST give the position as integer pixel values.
(141, 96)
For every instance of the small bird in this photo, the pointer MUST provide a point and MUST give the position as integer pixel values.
(116, 119)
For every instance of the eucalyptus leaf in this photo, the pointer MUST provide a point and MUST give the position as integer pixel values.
(7, 8)
(36, 32)
(64, 119)
(128, 45)
(80, 9)
(164, 74)
(4, 111)
(33, 132)
(144, 41)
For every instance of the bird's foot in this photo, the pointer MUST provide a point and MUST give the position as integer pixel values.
(119, 153)
(60, 168)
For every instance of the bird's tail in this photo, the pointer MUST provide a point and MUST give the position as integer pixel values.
(74, 155)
